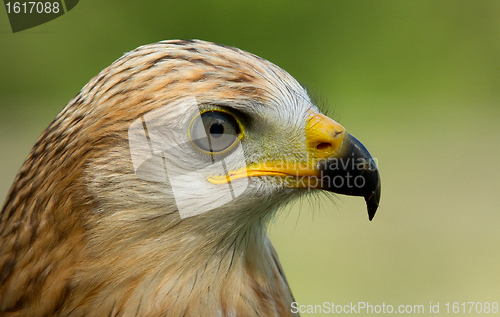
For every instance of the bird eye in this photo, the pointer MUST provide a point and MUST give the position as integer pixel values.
(214, 131)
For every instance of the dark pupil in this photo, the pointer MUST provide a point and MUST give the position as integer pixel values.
(216, 130)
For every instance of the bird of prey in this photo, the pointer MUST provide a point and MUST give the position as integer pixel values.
(150, 192)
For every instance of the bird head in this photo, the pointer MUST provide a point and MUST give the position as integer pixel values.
(164, 171)
(202, 136)
(217, 132)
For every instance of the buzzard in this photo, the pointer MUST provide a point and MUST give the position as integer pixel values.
(150, 192)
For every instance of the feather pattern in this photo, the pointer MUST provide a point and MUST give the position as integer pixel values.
(81, 235)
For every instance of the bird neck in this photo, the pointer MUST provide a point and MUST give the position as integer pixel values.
(213, 274)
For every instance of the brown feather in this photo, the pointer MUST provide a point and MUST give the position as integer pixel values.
(82, 236)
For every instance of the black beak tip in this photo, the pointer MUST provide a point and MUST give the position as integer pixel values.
(372, 201)
(342, 168)
(372, 209)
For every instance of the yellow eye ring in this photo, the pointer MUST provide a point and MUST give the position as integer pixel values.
(215, 131)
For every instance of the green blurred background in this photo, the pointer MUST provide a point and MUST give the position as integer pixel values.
(418, 82)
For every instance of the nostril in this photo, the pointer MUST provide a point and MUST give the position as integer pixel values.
(323, 146)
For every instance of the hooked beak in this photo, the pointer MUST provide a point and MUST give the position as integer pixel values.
(352, 172)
